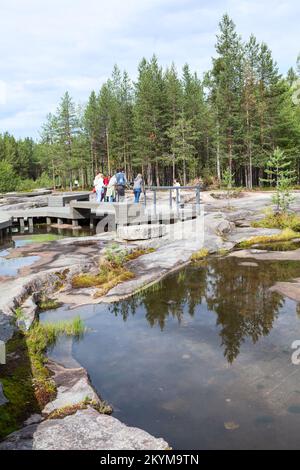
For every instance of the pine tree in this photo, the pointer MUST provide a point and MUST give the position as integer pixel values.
(282, 176)
(227, 85)
(183, 148)
(67, 128)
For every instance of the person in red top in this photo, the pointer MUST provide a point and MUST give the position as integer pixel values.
(106, 180)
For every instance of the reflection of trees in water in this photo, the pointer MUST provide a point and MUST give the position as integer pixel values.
(239, 295)
(241, 298)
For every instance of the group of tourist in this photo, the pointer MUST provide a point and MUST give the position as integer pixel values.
(112, 188)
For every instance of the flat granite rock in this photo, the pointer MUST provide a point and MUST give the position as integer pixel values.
(85, 430)
(141, 232)
(73, 387)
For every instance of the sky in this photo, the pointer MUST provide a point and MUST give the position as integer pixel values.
(50, 46)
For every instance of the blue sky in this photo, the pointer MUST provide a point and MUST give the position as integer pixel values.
(49, 46)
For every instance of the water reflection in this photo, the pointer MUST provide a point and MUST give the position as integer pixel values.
(238, 295)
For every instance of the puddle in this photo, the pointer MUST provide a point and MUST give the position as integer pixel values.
(203, 359)
(11, 267)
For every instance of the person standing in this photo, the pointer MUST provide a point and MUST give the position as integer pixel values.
(105, 184)
(121, 182)
(97, 177)
(111, 189)
(99, 186)
(138, 187)
(176, 184)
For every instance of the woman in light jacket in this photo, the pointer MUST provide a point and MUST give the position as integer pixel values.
(138, 187)
(99, 186)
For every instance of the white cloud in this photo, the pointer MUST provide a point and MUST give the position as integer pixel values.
(49, 46)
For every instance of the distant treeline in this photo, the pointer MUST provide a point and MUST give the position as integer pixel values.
(168, 124)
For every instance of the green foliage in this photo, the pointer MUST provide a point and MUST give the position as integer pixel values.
(8, 178)
(26, 381)
(280, 220)
(48, 304)
(281, 175)
(228, 183)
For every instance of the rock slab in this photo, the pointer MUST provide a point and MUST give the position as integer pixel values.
(85, 430)
(73, 387)
(141, 232)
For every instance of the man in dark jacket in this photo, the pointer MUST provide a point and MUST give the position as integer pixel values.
(121, 185)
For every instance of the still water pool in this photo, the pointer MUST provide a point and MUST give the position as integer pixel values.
(203, 359)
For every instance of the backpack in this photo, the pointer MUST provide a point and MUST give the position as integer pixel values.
(120, 179)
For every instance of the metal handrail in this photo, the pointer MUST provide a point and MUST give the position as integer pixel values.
(154, 189)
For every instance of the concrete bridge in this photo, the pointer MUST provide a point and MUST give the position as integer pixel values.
(77, 209)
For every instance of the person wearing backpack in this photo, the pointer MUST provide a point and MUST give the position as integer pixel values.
(121, 182)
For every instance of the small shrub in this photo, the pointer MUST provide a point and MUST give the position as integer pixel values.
(139, 252)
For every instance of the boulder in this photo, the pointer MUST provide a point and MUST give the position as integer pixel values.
(7, 327)
(141, 232)
(225, 227)
(85, 430)
(33, 419)
(3, 398)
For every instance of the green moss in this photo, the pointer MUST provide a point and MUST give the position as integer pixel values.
(286, 235)
(48, 304)
(279, 220)
(223, 252)
(17, 380)
(19, 313)
(45, 237)
(26, 381)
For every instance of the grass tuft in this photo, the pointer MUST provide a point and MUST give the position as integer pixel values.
(102, 408)
(279, 220)
(26, 381)
(48, 304)
(199, 255)
(286, 235)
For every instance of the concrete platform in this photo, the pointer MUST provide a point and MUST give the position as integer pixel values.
(5, 226)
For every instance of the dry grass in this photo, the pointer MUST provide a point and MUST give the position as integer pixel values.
(102, 408)
(199, 255)
(112, 271)
(139, 252)
(110, 275)
(286, 235)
